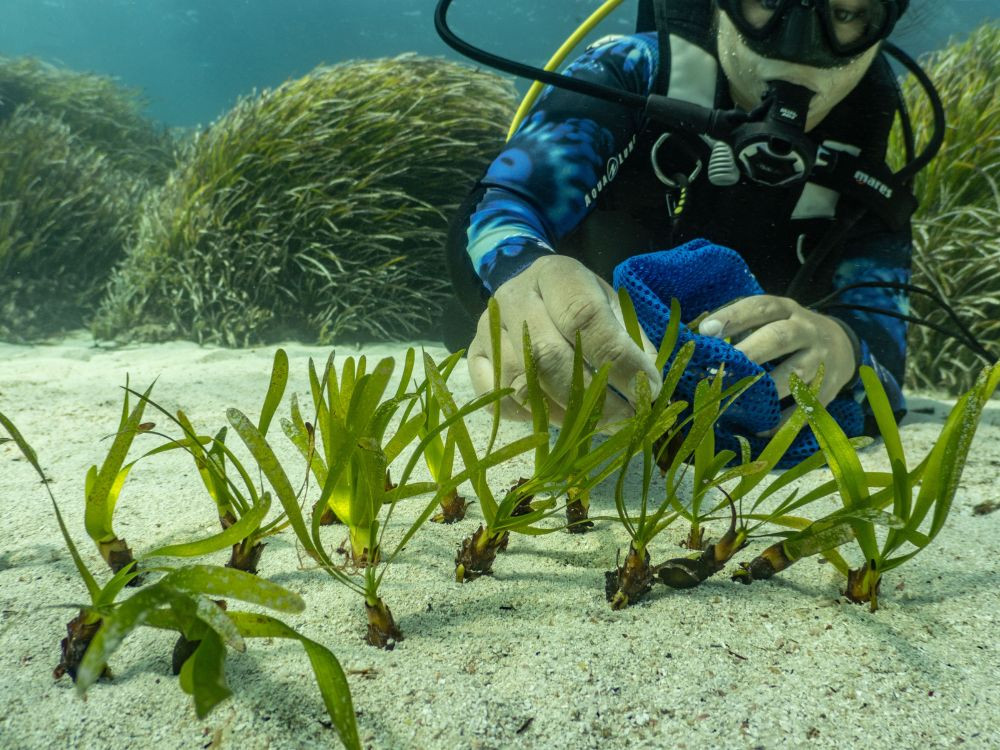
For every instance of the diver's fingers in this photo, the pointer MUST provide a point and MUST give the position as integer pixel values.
(553, 356)
(653, 376)
(480, 357)
(616, 410)
(804, 364)
(777, 339)
(588, 307)
(515, 406)
(785, 414)
(746, 314)
(480, 362)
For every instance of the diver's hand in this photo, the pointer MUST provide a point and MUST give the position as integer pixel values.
(557, 296)
(779, 326)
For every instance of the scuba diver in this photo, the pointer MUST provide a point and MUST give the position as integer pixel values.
(757, 125)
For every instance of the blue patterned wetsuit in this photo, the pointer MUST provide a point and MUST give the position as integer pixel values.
(575, 156)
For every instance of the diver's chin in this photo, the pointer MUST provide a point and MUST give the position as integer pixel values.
(816, 116)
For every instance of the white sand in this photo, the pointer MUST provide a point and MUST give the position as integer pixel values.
(532, 657)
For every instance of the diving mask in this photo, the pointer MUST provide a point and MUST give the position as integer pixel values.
(816, 33)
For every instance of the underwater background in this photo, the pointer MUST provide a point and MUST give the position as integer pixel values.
(193, 58)
(186, 185)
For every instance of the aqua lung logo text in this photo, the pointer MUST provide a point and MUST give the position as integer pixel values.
(863, 178)
(614, 164)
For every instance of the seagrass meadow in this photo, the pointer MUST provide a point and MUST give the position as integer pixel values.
(316, 210)
(77, 157)
(957, 226)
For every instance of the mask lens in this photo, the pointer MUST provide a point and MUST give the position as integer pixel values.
(759, 15)
(851, 26)
(855, 24)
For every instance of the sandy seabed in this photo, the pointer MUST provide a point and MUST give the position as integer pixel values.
(532, 657)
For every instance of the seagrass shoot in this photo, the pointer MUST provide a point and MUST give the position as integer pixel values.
(183, 600)
(242, 510)
(348, 449)
(563, 473)
(679, 440)
(709, 475)
(439, 455)
(920, 498)
(103, 486)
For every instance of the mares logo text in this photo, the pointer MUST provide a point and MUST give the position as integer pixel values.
(863, 178)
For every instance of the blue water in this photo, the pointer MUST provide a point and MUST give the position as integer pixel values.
(193, 58)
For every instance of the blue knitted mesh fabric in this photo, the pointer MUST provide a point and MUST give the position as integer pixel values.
(702, 277)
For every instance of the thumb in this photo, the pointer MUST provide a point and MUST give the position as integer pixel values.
(648, 348)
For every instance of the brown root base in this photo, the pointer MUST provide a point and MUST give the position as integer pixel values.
(855, 590)
(664, 450)
(683, 572)
(687, 572)
(246, 561)
(79, 634)
(629, 583)
(504, 541)
(522, 508)
(610, 584)
(382, 629)
(695, 539)
(328, 517)
(184, 649)
(766, 565)
(757, 569)
(389, 484)
(353, 560)
(577, 518)
(475, 557)
(117, 555)
(453, 508)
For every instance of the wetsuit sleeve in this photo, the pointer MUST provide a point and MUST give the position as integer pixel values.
(549, 175)
(876, 256)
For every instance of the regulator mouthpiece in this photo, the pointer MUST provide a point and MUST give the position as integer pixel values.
(774, 149)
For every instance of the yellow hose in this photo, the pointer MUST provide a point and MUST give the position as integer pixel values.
(557, 59)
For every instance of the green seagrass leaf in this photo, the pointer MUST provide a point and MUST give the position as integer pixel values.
(330, 677)
(115, 626)
(203, 675)
(630, 318)
(275, 390)
(212, 580)
(29, 453)
(235, 534)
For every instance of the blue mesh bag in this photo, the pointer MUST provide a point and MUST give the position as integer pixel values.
(704, 277)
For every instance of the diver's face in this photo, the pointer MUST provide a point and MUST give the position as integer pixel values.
(748, 72)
